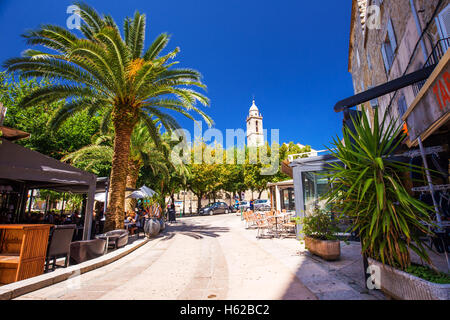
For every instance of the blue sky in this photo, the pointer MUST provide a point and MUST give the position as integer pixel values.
(290, 54)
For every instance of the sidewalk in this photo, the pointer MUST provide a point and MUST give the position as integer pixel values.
(328, 280)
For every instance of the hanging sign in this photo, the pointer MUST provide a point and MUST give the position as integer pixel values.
(431, 108)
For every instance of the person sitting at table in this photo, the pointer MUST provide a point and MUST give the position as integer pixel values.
(131, 223)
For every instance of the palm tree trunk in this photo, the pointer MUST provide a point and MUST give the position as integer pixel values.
(115, 214)
(133, 174)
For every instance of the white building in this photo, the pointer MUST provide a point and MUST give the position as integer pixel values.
(255, 132)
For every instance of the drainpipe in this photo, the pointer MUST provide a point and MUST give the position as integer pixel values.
(419, 30)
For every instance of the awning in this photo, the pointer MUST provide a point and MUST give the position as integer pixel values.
(384, 89)
(38, 171)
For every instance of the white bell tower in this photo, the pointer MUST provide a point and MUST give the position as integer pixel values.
(255, 132)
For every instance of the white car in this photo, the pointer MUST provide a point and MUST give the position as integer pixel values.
(244, 204)
(262, 205)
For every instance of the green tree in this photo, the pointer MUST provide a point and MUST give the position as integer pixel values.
(103, 71)
(72, 135)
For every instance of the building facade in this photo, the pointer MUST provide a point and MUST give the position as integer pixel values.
(390, 39)
(255, 131)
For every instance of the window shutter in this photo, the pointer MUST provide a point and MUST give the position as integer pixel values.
(401, 105)
(391, 35)
(357, 58)
(386, 62)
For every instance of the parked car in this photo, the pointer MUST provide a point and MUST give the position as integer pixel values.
(262, 205)
(216, 207)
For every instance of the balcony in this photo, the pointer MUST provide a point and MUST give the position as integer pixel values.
(436, 55)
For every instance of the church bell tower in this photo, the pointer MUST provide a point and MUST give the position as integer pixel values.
(255, 132)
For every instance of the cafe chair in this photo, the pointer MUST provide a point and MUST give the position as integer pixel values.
(81, 251)
(59, 245)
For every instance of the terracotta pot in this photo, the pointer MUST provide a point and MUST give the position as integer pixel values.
(404, 286)
(326, 249)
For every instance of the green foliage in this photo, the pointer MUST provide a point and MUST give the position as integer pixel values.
(71, 136)
(321, 225)
(368, 189)
(428, 274)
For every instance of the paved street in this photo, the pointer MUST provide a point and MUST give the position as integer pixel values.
(215, 257)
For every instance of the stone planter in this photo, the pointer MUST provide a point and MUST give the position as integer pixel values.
(326, 249)
(404, 286)
(152, 227)
(162, 224)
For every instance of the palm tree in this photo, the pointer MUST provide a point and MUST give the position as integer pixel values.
(105, 71)
(143, 152)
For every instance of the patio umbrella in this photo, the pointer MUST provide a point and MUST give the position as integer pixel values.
(142, 193)
(146, 190)
(100, 197)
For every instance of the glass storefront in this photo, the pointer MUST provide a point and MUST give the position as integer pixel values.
(315, 185)
(287, 199)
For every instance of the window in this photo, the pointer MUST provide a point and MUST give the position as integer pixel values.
(388, 47)
(443, 23)
(401, 105)
(358, 59)
(369, 61)
(256, 126)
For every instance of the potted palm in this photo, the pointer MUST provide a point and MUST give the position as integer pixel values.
(368, 188)
(320, 234)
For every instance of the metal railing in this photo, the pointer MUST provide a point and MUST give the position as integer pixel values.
(433, 59)
(292, 157)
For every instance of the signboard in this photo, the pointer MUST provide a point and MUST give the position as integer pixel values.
(431, 108)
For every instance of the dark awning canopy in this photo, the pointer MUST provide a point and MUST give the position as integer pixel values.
(35, 171)
(384, 89)
(38, 170)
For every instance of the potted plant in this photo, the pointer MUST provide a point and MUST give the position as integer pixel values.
(320, 234)
(368, 188)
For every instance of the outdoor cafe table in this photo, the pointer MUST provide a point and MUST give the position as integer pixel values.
(107, 238)
(277, 216)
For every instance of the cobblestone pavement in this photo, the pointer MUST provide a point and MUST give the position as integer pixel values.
(215, 257)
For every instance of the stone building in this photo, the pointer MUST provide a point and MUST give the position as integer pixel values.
(392, 38)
